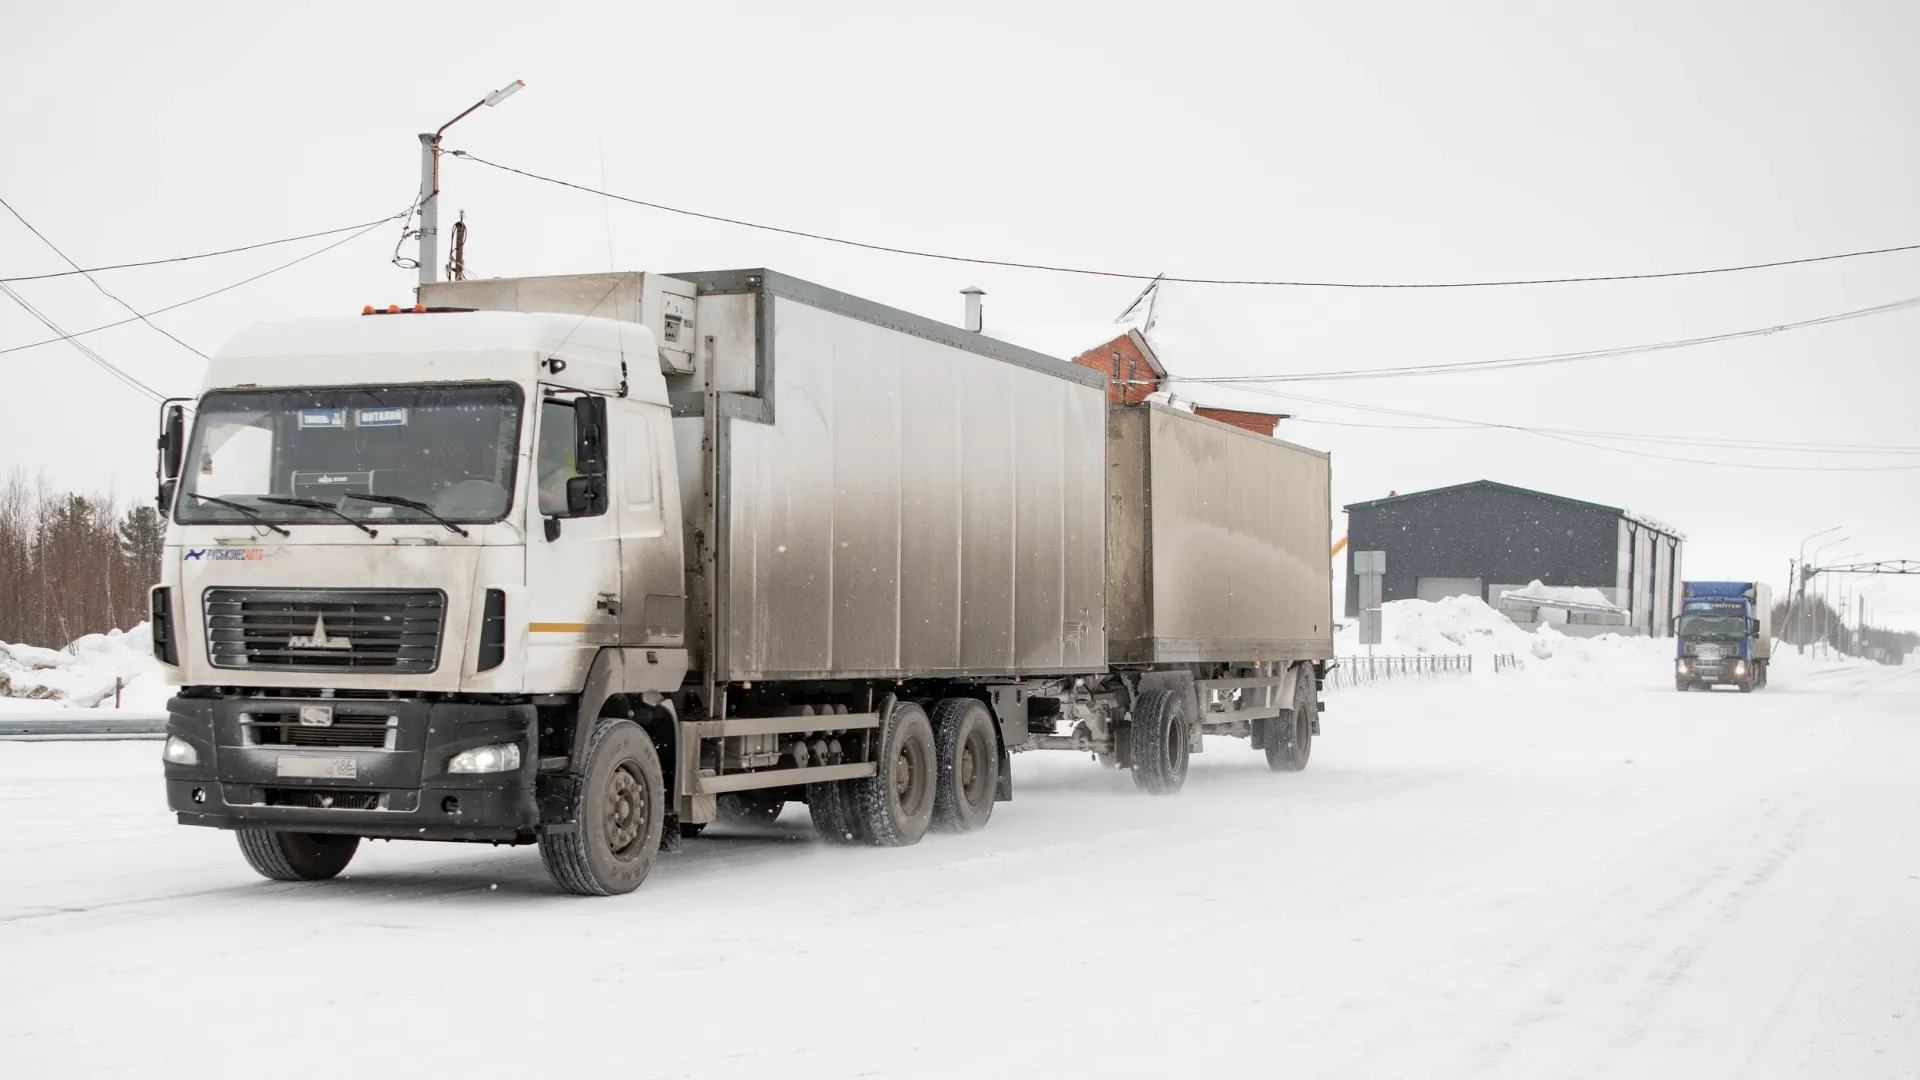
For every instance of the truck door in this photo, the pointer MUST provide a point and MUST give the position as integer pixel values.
(647, 503)
(573, 545)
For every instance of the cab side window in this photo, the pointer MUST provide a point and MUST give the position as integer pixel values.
(554, 462)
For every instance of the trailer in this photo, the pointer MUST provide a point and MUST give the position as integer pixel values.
(591, 561)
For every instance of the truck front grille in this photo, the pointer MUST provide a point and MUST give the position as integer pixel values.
(393, 630)
(285, 729)
(324, 798)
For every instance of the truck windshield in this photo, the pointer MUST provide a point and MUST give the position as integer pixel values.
(452, 448)
(1713, 626)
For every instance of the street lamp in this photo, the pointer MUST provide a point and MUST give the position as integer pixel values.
(1824, 624)
(1801, 587)
(430, 181)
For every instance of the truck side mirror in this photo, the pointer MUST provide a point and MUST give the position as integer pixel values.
(586, 496)
(590, 435)
(172, 445)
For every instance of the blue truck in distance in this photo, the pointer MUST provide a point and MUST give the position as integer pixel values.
(1723, 635)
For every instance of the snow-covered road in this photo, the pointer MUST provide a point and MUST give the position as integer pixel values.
(1517, 876)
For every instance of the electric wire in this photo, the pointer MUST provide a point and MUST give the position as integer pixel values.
(84, 349)
(201, 255)
(206, 295)
(1560, 435)
(51, 246)
(1088, 272)
(1469, 366)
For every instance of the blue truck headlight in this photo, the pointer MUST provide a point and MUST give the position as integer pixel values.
(501, 757)
(1683, 667)
(1740, 668)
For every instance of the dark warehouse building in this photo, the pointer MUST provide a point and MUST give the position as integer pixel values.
(1482, 538)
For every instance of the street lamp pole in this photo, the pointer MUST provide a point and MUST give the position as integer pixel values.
(1820, 623)
(1800, 635)
(430, 183)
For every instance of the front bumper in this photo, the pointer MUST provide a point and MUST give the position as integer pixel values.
(1728, 671)
(397, 790)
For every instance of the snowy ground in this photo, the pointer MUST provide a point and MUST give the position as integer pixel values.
(1524, 876)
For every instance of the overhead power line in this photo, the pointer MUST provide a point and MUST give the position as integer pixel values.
(85, 349)
(51, 246)
(1575, 437)
(203, 254)
(139, 317)
(1087, 272)
(1469, 366)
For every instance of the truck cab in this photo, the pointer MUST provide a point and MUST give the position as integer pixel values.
(393, 541)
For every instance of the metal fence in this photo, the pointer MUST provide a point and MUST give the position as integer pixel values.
(1351, 671)
(55, 725)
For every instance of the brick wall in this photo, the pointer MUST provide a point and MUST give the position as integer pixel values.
(1257, 422)
(1132, 366)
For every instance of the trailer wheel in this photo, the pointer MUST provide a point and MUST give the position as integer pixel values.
(294, 856)
(1159, 742)
(619, 802)
(969, 765)
(749, 808)
(894, 807)
(830, 805)
(1290, 743)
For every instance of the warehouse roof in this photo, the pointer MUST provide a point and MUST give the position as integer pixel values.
(1638, 519)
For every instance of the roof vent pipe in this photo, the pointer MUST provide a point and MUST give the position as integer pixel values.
(973, 293)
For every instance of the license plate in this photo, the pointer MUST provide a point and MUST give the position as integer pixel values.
(319, 768)
(316, 716)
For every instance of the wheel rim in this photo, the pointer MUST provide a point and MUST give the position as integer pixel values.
(626, 811)
(972, 767)
(1177, 747)
(909, 776)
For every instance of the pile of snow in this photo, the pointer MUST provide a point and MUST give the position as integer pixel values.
(1465, 625)
(81, 676)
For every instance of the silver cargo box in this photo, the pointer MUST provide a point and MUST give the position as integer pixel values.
(1217, 542)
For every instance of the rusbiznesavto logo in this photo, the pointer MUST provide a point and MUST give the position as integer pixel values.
(226, 554)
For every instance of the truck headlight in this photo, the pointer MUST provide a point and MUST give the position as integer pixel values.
(179, 751)
(1740, 668)
(501, 757)
(1683, 667)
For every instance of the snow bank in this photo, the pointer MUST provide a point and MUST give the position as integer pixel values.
(1465, 625)
(82, 675)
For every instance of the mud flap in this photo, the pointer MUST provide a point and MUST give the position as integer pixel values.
(1003, 788)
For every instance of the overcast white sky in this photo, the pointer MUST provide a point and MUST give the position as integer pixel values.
(1378, 142)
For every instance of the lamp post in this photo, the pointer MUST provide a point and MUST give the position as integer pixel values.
(430, 182)
(1824, 624)
(1800, 635)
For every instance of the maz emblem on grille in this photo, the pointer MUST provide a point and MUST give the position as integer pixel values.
(318, 639)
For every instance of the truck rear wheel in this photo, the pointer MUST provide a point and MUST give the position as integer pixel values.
(294, 856)
(1159, 742)
(1289, 743)
(830, 805)
(619, 804)
(894, 806)
(968, 755)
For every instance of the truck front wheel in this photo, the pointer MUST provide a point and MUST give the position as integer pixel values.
(619, 807)
(1159, 742)
(292, 856)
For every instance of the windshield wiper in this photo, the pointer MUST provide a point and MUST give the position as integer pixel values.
(411, 504)
(247, 510)
(316, 504)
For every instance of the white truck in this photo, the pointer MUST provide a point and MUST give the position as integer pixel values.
(589, 561)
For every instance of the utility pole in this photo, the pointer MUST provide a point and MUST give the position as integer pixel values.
(430, 183)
